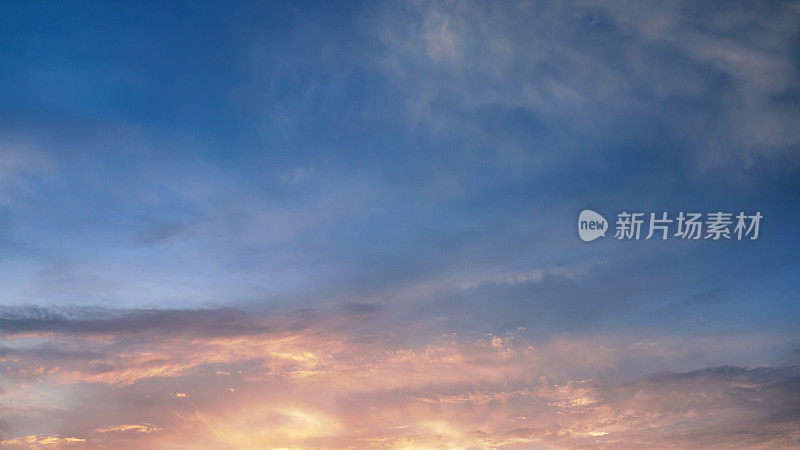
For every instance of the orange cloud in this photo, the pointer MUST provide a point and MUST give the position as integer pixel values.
(321, 388)
(145, 428)
(35, 441)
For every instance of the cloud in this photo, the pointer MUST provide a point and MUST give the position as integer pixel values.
(254, 385)
(138, 322)
(715, 79)
(146, 428)
(36, 441)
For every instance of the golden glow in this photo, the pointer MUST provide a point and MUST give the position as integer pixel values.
(35, 441)
(146, 428)
(315, 389)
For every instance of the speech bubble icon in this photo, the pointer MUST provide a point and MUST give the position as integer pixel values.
(591, 225)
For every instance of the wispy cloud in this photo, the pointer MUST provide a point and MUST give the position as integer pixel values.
(588, 66)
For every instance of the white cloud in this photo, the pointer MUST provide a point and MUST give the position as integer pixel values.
(593, 66)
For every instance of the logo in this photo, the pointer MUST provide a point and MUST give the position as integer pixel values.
(716, 226)
(591, 225)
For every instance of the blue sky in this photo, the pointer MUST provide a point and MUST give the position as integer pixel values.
(307, 154)
(417, 165)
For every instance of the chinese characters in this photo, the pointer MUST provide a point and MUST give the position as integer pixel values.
(693, 225)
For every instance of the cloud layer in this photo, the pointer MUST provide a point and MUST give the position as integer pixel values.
(226, 379)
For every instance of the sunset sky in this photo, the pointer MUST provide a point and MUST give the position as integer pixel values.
(236, 225)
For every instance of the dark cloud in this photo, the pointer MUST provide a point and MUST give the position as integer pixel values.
(362, 308)
(92, 320)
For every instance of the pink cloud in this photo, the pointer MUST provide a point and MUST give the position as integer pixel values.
(256, 385)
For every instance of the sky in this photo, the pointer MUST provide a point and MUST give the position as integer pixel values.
(353, 224)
